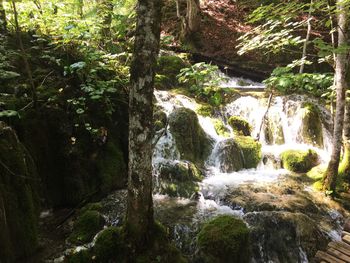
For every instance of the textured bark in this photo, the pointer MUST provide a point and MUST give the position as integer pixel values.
(24, 56)
(345, 165)
(193, 16)
(2, 18)
(105, 10)
(140, 205)
(303, 58)
(341, 62)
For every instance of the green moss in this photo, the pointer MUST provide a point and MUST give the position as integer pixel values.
(221, 129)
(251, 150)
(299, 161)
(91, 207)
(83, 256)
(240, 126)
(160, 120)
(224, 239)
(113, 245)
(205, 110)
(178, 179)
(191, 141)
(111, 168)
(110, 244)
(86, 227)
(19, 200)
(168, 67)
(317, 172)
(312, 125)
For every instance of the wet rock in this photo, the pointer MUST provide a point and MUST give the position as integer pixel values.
(270, 160)
(230, 156)
(160, 120)
(240, 126)
(191, 140)
(224, 239)
(178, 179)
(251, 151)
(86, 227)
(284, 236)
(312, 125)
(299, 161)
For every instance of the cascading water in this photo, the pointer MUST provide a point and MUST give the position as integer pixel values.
(285, 116)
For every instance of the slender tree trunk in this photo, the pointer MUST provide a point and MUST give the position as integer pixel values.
(24, 56)
(81, 8)
(105, 10)
(345, 165)
(139, 218)
(193, 16)
(302, 66)
(3, 24)
(341, 62)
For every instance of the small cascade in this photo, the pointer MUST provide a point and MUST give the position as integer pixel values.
(283, 130)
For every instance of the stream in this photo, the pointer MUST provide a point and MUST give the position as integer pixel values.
(289, 221)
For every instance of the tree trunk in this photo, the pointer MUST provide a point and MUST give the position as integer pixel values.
(341, 62)
(3, 25)
(303, 59)
(81, 8)
(24, 56)
(139, 218)
(345, 164)
(105, 10)
(193, 16)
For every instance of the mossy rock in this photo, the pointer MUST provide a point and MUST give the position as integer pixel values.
(205, 110)
(312, 125)
(111, 167)
(251, 150)
(230, 156)
(19, 198)
(224, 239)
(110, 244)
(160, 120)
(178, 179)
(113, 245)
(299, 161)
(168, 67)
(86, 227)
(83, 256)
(221, 129)
(240, 126)
(191, 140)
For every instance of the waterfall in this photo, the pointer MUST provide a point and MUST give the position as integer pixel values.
(285, 128)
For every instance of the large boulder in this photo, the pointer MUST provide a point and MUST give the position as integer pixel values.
(237, 153)
(224, 239)
(284, 236)
(19, 202)
(299, 161)
(229, 156)
(312, 125)
(86, 227)
(191, 140)
(178, 179)
(251, 150)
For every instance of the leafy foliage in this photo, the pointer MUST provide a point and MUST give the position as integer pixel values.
(284, 80)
